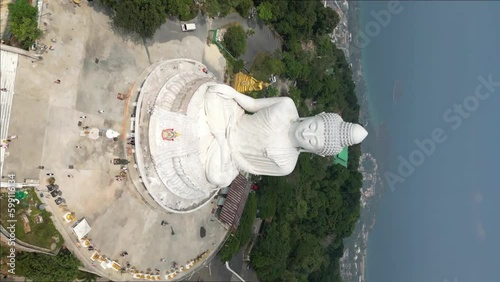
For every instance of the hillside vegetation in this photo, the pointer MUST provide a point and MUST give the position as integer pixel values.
(312, 210)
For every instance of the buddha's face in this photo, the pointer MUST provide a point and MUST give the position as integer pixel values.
(309, 134)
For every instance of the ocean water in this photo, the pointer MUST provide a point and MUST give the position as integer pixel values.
(438, 145)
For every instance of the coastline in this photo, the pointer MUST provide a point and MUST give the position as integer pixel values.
(353, 263)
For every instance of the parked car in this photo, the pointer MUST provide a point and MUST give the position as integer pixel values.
(188, 26)
(51, 187)
(59, 201)
(120, 161)
(54, 193)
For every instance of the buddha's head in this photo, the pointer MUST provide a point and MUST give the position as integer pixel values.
(325, 134)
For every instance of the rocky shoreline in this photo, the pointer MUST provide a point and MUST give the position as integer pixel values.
(353, 262)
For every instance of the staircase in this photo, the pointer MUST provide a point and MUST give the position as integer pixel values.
(8, 67)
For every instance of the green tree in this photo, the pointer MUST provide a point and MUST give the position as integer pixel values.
(301, 208)
(238, 65)
(272, 91)
(26, 32)
(264, 65)
(326, 20)
(183, 9)
(244, 232)
(230, 248)
(24, 23)
(267, 201)
(265, 11)
(110, 3)
(308, 255)
(294, 68)
(250, 32)
(269, 258)
(40, 267)
(22, 9)
(86, 276)
(216, 8)
(141, 17)
(235, 40)
(243, 7)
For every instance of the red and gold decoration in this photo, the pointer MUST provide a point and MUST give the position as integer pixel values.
(169, 134)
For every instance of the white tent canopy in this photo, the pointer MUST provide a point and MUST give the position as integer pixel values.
(110, 133)
(82, 228)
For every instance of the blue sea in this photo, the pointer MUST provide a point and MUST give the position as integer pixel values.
(438, 144)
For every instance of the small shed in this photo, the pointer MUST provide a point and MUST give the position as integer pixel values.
(81, 229)
(341, 158)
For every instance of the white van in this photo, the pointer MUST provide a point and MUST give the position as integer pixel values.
(188, 27)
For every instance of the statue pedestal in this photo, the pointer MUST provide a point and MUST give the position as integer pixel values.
(194, 135)
(166, 131)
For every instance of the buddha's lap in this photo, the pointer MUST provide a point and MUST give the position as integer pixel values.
(221, 113)
(218, 114)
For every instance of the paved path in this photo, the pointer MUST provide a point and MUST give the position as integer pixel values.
(8, 77)
(171, 32)
(216, 270)
(20, 51)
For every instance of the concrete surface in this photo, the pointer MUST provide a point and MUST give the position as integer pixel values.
(216, 270)
(45, 116)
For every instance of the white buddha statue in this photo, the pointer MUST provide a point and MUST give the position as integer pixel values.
(200, 134)
(269, 139)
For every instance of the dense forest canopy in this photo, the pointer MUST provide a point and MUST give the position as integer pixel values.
(41, 267)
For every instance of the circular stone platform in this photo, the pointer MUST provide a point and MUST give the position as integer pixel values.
(169, 119)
